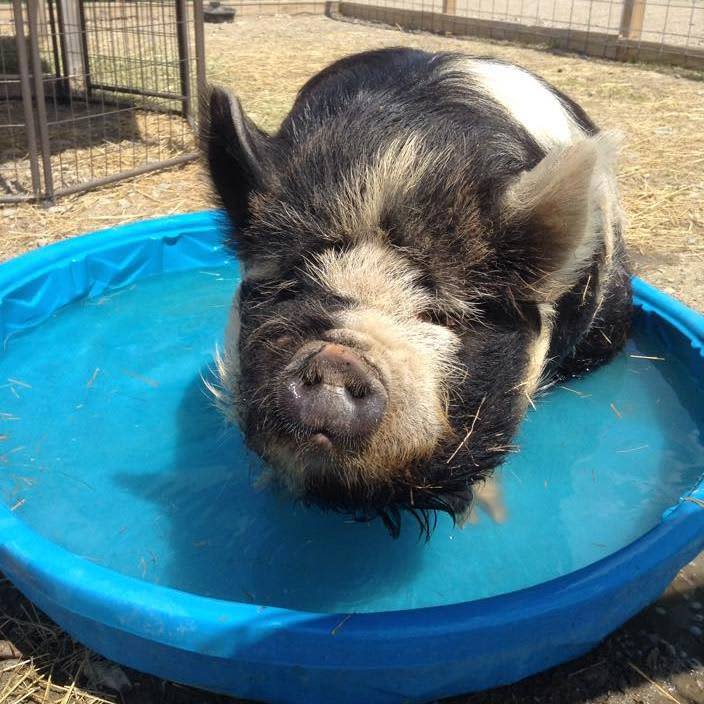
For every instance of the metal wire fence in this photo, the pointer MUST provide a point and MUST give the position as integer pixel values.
(92, 92)
(659, 31)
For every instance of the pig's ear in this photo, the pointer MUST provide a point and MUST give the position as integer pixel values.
(236, 152)
(551, 215)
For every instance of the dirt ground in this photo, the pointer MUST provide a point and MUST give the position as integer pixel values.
(657, 657)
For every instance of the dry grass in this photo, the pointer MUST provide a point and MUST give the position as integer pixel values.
(40, 664)
(265, 60)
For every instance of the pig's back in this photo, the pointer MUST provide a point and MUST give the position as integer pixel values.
(453, 97)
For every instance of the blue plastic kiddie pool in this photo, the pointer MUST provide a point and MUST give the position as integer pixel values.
(134, 517)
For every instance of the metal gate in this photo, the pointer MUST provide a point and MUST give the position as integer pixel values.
(94, 91)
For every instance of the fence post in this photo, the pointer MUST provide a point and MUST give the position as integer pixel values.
(73, 34)
(83, 30)
(449, 7)
(53, 31)
(38, 76)
(199, 41)
(26, 92)
(632, 19)
(184, 58)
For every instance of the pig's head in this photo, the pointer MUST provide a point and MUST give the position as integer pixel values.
(396, 312)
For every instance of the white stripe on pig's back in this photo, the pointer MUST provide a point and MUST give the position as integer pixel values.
(527, 100)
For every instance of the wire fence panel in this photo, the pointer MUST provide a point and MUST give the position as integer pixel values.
(17, 133)
(661, 31)
(107, 90)
(92, 91)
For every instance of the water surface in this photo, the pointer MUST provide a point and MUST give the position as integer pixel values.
(112, 449)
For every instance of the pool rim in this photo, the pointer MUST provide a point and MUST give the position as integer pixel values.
(142, 608)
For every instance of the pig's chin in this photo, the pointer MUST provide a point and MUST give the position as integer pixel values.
(312, 454)
(316, 454)
(299, 458)
(319, 475)
(317, 469)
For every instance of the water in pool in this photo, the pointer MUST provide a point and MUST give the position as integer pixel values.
(111, 448)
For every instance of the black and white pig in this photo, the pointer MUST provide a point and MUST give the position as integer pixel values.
(427, 242)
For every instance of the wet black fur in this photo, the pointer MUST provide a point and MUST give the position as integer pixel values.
(280, 192)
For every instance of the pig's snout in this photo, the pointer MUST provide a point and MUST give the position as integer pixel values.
(335, 396)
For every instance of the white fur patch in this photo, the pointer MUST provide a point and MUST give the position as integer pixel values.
(373, 275)
(538, 353)
(415, 357)
(372, 188)
(225, 391)
(527, 100)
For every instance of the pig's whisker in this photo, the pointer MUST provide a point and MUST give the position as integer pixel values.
(469, 432)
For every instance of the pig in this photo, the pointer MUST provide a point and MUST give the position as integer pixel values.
(427, 242)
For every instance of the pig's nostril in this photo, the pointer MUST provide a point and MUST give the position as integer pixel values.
(311, 377)
(357, 392)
